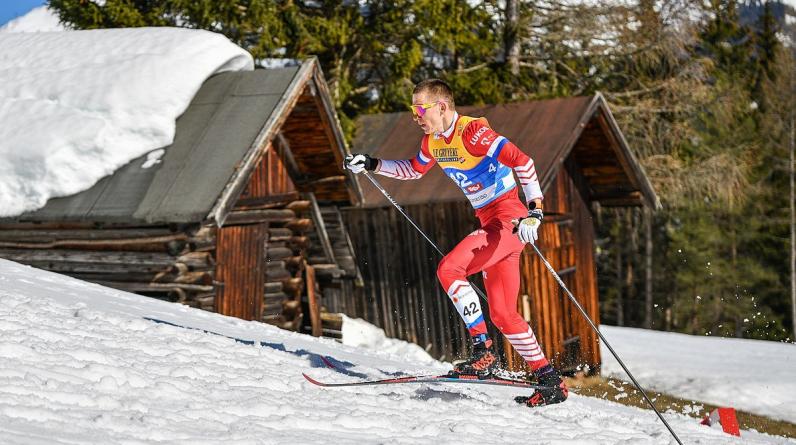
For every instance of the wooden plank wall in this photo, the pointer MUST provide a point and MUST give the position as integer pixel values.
(401, 292)
(240, 273)
(567, 241)
(269, 178)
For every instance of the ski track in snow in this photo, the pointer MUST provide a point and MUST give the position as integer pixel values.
(79, 364)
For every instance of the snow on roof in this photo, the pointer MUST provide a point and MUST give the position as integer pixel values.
(77, 105)
(41, 19)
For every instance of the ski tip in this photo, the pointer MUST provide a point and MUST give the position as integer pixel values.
(312, 380)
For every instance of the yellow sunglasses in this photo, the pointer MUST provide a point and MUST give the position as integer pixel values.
(419, 110)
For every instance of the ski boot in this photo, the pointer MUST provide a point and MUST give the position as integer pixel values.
(482, 363)
(553, 389)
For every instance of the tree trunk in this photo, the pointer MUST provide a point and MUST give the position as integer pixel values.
(629, 269)
(648, 268)
(511, 38)
(620, 312)
(792, 213)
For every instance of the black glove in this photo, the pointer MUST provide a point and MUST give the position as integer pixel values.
(357, 162)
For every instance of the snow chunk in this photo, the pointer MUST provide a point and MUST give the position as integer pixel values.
(77, 105)
(361, 334)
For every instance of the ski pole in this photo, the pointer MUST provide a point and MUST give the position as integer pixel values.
(608, 345)
(397, 206)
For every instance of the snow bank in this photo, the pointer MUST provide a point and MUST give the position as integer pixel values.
(77, 105)
(361, 334)
(79, 363)
(40, 19)
(751, 375)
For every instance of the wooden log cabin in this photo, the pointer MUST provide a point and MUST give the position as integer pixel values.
(583, 161)
(239, 216)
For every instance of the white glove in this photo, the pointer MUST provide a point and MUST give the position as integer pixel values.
(527, 229)
(357, 163)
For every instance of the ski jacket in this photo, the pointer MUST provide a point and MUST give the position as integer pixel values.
(476, 158)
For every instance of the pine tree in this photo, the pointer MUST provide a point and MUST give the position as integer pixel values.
(767, 47)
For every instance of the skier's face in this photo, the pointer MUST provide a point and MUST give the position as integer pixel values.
(428, 112)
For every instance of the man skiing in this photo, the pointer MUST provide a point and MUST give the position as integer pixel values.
(480, 162)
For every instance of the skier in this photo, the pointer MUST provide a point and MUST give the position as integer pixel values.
(480, 162)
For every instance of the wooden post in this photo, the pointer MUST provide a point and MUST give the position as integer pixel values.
(315, 305)
(648, 302)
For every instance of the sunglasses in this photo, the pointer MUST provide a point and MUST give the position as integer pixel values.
(419, 110)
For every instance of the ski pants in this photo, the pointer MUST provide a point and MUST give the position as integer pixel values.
(495, 251)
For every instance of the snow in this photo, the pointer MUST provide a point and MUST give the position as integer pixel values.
(751, 375)
(40, 19)
(361, 334)
(77, 105)
(80, 363)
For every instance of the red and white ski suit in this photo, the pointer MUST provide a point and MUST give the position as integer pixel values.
(480, 162)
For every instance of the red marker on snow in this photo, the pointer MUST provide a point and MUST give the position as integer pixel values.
(724, 417)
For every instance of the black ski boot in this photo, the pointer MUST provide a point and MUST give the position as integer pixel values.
(481, 364)
(553, 389)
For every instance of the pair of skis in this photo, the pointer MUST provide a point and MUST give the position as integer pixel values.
(443, 378)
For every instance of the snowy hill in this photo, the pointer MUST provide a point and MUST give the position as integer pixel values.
(751, 375)
(80, 363)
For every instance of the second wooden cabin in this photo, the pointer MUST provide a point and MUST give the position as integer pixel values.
(582, 160)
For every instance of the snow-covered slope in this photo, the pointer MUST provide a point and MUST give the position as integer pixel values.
(752, 375)
(79, 363)
(77, 105)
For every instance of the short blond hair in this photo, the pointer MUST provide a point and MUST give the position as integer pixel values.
(437, 89)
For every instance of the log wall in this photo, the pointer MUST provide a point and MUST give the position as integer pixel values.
(174, 263)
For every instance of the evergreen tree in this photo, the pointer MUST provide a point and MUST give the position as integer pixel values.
(767, 47)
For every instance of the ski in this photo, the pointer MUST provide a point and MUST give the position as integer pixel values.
(445, 378)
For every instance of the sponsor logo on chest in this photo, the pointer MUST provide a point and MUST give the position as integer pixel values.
(447, 154)
(474, 188)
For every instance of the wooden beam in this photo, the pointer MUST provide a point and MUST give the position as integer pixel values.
(157, 243)
(266, 202)
(150, 287)
(314, 304)
(257, 216)
(320, 226)
(327, 181)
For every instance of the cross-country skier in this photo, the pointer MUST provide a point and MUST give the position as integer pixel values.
(480, 162)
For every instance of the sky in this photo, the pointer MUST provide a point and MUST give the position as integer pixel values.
(11, 9)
